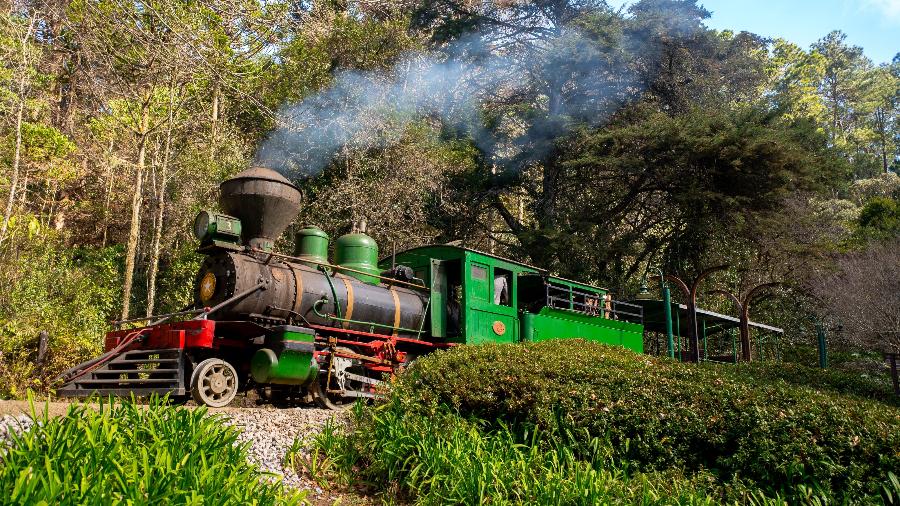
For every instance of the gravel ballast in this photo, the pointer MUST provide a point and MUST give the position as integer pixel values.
(271, 433)
(13, 424)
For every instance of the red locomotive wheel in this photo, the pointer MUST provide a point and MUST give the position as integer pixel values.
(214, 383)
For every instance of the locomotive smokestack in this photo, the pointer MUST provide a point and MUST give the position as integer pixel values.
(265, 202)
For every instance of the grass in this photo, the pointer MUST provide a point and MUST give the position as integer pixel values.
(125, 453)
(578, 423)
(448, 460)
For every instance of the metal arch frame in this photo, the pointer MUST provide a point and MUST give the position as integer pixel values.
(667, 305)
(743, 307)
(690, 294)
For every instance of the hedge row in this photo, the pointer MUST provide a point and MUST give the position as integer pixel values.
(656, 414)
(824, 380)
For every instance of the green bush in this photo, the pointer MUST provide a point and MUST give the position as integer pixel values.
(824, 380)
(69, 292)
(614, 410)
(124, 453)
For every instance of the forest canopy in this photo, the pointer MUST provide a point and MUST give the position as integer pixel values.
(593, 141)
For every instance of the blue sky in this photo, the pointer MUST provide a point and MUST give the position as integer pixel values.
(873, 25)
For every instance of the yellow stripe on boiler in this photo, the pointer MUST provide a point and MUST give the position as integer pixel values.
(349, 286)
(396, 310)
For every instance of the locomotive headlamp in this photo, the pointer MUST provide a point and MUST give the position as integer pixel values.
(218, 229)
(201, 225)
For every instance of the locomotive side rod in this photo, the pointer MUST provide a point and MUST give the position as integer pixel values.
(161, 318)
(228, 302)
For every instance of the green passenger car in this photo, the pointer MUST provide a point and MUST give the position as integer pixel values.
(477, 297)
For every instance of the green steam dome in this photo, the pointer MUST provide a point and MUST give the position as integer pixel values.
(359, 252)
(312, 245)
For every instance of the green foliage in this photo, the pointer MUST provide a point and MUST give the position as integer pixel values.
(613, 409)
(827, 381)
(125, 453)
(445, 459)
(70, 293)
(176, 278)
(880, 218)
(45, 150)
(318, 463)
(709, 176)
(44, 143)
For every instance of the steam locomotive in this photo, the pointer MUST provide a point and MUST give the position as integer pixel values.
(301, 328)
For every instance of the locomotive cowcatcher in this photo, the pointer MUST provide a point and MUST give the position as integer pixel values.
(303, 328)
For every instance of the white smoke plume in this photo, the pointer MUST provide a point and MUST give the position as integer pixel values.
(373, 108)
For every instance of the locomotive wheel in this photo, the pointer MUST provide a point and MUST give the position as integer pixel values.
(214, 383)
(340, 367)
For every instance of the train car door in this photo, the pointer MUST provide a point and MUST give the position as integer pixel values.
(438, 299)
(490, 304)
(446, 314)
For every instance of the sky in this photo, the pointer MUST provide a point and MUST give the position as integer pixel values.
(873, 25)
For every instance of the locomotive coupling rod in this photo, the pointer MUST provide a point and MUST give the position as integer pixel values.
(228, 302)
(365, 358)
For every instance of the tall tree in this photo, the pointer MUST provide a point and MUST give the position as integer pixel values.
(882, 106)
(840, 85)
(796, 76)
(23, 31)
(143, 52)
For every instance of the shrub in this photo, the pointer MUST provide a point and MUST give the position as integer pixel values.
(69, 292)
(126, 453)
(659, 414)
(823, 380)
(612, 409)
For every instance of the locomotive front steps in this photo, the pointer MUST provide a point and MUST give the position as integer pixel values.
(142, 372)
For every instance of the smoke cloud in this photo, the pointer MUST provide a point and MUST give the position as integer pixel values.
(584, 83)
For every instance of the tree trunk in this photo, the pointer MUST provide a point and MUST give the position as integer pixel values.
(20, 109)
(15, 169)
(23, 194)
(155, 242)
(134, 232)
(881, 119)
(160, 211)
(552, 171)
(215, 111)
(43, 347)
(834, 109)
(109, 186)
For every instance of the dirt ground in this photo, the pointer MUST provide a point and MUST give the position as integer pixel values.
(59, 408)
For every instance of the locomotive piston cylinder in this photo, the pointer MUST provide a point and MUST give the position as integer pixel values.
(287, 358)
